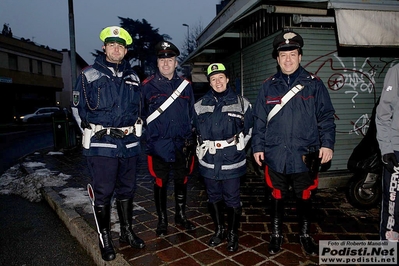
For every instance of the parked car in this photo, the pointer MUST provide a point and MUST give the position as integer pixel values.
(40, 115)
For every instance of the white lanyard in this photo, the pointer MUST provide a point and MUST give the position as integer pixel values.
(168, 102)
(291, 93)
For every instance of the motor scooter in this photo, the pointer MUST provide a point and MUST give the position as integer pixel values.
(364, 187)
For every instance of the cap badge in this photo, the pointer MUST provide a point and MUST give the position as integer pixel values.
(288, 36)
(214, 67)
(165, 45)
(115, 32)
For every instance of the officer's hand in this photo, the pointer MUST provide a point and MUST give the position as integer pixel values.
(116, 133)
(84, 124)
(99, 134)
(390, 162)
(259, 158)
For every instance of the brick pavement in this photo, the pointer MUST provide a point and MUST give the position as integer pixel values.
(334, 219)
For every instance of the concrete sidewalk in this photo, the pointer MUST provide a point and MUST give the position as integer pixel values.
(334, 219)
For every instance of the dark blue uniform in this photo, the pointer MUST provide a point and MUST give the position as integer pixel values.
(166, 139)
(106, 105)
(305, 122)
(223, 118)
(108, 95)
(167, 134)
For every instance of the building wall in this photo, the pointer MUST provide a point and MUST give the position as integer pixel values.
(354, 83)
(25, 87)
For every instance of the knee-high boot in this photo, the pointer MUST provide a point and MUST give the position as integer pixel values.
(216, 212)
(277, 214)
(160, 204)
(103, 217)
(125, 213)
(233, 222)
(304, 209)
(180, 208)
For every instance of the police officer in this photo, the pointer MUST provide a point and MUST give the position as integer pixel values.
(294, 132)
(106, 102)
(169, 106)
(224, 126)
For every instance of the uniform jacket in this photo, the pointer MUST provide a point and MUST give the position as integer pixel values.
(387, 113)
(222, 119)
(103, 98)
(168, 132)
(305, 122)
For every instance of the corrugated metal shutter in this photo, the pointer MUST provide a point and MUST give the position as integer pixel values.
(354, 83)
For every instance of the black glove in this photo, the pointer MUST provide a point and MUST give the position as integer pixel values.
(116, 133)
(99, 134)
(85, 124)
(390, 162)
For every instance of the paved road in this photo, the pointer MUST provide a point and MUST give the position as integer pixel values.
(32, 233)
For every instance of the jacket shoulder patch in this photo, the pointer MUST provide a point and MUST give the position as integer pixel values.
(92, 74)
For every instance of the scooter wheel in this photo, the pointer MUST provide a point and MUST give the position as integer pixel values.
(360, 197)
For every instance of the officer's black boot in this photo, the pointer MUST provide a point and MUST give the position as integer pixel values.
(103, 216)
(125, 213)
(304, 209)
(216, 211)
(160, 204)
(180, 215)
(277, 213)
(233, 222)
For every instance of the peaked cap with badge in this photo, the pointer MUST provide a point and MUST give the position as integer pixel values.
(166, 49)
(287, 41)
(215, 68)
(116, 34)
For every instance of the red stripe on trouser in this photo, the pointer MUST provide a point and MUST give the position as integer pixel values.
(276, 193)
(158, 180)
(191, 169)
(307, 192)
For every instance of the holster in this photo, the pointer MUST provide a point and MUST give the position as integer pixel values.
(201, 150)
(188, 152)
(86, 137)
(312, 161)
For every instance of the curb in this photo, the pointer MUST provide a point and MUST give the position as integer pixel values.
(86, 235)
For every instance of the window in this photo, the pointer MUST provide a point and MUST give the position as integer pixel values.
(39, 67)
(12, 62)
(30, 65)
(53, 70)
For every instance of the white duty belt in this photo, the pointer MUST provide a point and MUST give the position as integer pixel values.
(126, 130)
(168, 102)
(213, 145)
(219, 144)
(291, 93)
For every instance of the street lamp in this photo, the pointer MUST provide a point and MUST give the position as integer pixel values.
(188, 36)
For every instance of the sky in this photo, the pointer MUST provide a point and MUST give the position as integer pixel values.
(46, 22)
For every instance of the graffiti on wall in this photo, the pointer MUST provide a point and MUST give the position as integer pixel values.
(353, 78)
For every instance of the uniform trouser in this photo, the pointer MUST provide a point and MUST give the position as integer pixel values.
(161, 170)
(224, 190)
(389, 224)
(112, 176)
(302, 184)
